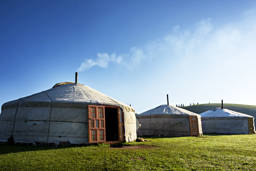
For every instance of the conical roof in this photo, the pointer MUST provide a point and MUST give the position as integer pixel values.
(223, 113)
(167, 109)
(72, 93)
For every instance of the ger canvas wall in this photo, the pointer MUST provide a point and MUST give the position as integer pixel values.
(225, 125)
(45, 124)
(164, 126)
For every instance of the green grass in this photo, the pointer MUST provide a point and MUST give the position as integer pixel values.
(247, 109)
(184, 153)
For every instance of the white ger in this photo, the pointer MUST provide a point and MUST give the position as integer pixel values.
(67, 113)
(225, 121)
(168, 121)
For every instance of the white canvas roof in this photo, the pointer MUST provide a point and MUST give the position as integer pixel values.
(167, 109)
(73, 93)
(223, 113)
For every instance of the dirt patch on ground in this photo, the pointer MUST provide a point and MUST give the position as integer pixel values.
(134, 147)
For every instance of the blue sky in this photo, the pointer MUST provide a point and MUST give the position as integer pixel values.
(133, 51)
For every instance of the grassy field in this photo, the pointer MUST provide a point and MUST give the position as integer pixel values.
(185, 153)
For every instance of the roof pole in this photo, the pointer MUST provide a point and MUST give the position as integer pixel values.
(76, 78)
(167, 99)
(221, 104)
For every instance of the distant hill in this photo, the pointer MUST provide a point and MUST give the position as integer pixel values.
(246, 109)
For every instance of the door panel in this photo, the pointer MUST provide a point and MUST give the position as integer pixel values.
(251, 126)
(97, 123)
(96, 126)
(193, 123)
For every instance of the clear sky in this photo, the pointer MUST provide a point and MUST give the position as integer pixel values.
(134, 51)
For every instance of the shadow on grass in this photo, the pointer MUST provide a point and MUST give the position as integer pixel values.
(222, 134)
(201, 136)
(6, 148)
(175, 137)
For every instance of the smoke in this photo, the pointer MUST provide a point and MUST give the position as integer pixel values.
(102, 60)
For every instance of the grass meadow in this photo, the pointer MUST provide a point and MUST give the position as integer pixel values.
(230, 152)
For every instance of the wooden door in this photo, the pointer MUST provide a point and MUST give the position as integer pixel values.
(251, 126)
(193, 123)
(96, 124)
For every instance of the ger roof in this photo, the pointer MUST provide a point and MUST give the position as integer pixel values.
(223, 113)
(72, 93)
(167, 109)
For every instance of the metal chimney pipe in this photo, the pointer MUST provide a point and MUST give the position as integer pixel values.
(167, 99)
(221, 104)
(76, 78)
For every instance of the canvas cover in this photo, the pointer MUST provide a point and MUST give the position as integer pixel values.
(167, 109)
(225, 121)
(58, 111)
(224, 113)
(168, 120)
